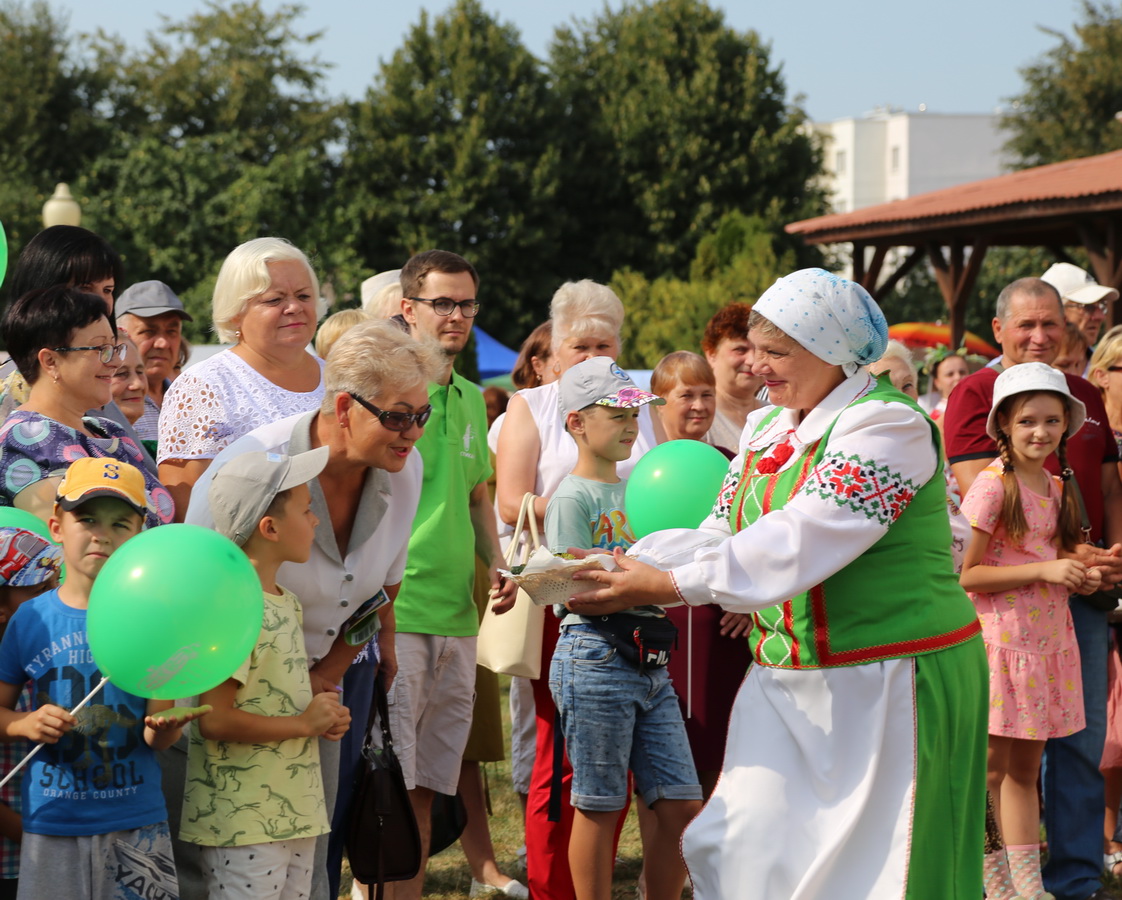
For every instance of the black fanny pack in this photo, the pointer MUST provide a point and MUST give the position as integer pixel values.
(644, 641)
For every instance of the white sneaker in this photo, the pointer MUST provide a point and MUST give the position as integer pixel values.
(516, 890)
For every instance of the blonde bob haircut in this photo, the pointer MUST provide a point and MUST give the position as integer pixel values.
(895, 350)
(681, 367)
(584, 307)
(245, 275)
(336, 325)
(376, 359)
(1108, 353)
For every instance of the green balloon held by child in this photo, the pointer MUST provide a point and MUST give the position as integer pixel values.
(174, 612)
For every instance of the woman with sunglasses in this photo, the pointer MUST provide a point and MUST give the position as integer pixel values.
(66, 348)
(266, 302)
(374, 410)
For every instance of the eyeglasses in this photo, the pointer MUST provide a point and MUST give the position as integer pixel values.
(394, 421)
(1100, 307)
(1114, 368)
(106, 352)
(443, 306)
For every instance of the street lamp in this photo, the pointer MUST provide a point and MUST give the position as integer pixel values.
(62, 208)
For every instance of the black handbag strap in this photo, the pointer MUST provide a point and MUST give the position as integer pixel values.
(379, 706)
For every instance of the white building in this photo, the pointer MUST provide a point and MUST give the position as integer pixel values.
(889, 154)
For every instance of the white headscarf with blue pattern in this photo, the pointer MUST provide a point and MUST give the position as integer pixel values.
(833, 318)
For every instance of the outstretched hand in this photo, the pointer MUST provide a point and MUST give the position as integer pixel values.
(176, 717)
(633, 584)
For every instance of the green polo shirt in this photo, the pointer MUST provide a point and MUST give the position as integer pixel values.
(436, 595)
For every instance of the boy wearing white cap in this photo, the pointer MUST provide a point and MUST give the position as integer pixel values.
(254, 799)
(617, 707)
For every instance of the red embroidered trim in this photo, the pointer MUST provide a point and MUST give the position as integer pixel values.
(677, 590)
(827, 657)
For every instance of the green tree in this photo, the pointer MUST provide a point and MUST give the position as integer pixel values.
(1072, 92)
(224, 136)
(453, 148)
(738, 261)
(673, 119)
(50, 118)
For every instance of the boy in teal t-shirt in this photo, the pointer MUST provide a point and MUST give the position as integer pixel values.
(617, 707)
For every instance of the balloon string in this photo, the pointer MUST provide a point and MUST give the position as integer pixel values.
(40, 746)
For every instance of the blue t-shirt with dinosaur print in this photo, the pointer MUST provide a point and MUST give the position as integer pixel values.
(101, 776)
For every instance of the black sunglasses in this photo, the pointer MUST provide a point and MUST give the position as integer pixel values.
(393, 420)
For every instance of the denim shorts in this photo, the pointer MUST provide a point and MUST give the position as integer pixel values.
(615, 719)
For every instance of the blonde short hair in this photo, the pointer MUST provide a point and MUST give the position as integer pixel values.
(1108, 352)
(680, 367)
(895, 350)
(245, 275)
(584, 307)
(335, 326)
(386, 303)
(376, 358)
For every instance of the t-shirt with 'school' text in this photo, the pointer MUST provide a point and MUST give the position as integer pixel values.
(101, 776)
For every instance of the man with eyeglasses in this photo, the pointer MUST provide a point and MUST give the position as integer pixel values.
(432, 697)
(1086, 302)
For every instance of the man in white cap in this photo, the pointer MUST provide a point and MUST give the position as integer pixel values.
(153, 316)
(1085, 300)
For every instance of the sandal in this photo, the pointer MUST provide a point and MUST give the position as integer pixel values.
(1111, 861)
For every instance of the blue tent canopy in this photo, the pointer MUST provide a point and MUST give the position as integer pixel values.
(493, 358)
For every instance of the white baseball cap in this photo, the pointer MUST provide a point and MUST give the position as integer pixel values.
(1028, 378)
(1076, 285)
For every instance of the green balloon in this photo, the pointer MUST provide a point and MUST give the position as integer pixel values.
(174, 612)
(3, 253)
(10, 517)
(673, 486)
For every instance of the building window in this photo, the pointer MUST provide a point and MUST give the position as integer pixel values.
(839, 162)
(895, 160)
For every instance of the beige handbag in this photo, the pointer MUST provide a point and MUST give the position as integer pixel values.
(511, 644)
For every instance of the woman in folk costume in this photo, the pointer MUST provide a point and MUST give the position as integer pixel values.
(856, 756)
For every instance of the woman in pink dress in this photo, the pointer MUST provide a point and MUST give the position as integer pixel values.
(1019, 571)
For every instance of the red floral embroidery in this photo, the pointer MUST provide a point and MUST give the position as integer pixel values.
(769, 465)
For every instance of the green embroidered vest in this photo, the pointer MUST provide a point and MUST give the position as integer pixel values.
(901, 597)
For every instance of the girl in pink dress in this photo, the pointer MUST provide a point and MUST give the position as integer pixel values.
(1019, 569)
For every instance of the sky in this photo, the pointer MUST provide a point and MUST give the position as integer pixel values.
(957, 56)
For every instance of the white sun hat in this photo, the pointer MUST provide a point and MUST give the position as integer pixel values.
(1028, 378)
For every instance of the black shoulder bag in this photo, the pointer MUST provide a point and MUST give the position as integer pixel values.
(382, 840)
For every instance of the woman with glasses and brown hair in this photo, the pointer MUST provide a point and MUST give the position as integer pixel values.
(67, 349)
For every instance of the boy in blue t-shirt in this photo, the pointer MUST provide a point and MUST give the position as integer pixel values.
(617, 706)
(94, 820)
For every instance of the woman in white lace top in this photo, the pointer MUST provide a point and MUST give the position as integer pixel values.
(265, 300)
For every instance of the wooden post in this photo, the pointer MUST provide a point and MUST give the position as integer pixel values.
(956, 281)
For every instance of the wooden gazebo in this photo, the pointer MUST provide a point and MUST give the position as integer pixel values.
(1070, 204)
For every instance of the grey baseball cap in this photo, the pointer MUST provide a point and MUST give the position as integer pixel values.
(600, 382)
(149, 298)
(243, 488)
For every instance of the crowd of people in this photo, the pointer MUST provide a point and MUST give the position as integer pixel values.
(845, 682)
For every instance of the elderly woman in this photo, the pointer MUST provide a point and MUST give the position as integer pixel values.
(897, 362)
(855, 765)
(67, 350)
(687, 384)
(374, 410)
(535, 453)
(265, 301)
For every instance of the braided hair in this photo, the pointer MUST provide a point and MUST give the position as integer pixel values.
(1070, 520)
